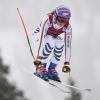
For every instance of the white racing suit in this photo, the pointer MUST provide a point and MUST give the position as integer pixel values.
(51, 40)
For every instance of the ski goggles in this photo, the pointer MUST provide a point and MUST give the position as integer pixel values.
(62, 20)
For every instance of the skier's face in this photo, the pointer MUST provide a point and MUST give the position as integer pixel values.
(62, 20)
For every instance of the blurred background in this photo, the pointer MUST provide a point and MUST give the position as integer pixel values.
(15, 57)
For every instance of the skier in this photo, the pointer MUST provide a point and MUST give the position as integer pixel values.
(52, 43)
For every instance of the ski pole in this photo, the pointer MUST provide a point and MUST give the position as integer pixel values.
(41, 36)
(65, 50)
(26, 33)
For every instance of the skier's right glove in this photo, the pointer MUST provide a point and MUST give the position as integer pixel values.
(66, 67)
(38, 62)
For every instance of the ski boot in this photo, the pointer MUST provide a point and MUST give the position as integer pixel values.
(52, 73)
(41, 72)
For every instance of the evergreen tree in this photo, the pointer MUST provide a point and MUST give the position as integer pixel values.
(7, 90)
(75, 95)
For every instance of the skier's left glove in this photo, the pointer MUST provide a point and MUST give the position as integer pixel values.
(66, 67)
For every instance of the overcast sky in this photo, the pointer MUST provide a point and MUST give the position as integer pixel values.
(85, 62)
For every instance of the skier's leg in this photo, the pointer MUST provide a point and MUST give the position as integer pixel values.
(57, 52)
(45, 50)
(58, 49)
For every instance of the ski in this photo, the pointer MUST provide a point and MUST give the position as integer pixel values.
(52, 84)
(70, 86)
(64, 88)
(25, 71)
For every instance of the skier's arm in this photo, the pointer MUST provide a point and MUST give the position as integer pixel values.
(36, 34)
(68, 37)
(38, 29)
(41, 32)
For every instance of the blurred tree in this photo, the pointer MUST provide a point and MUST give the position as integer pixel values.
(7, 90)
(75, 95)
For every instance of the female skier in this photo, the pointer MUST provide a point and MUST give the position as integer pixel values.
(52, 43)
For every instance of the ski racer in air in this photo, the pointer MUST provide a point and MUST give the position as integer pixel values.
(52, 43)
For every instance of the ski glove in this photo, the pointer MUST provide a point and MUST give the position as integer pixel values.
(66, 67)
(38, 62)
